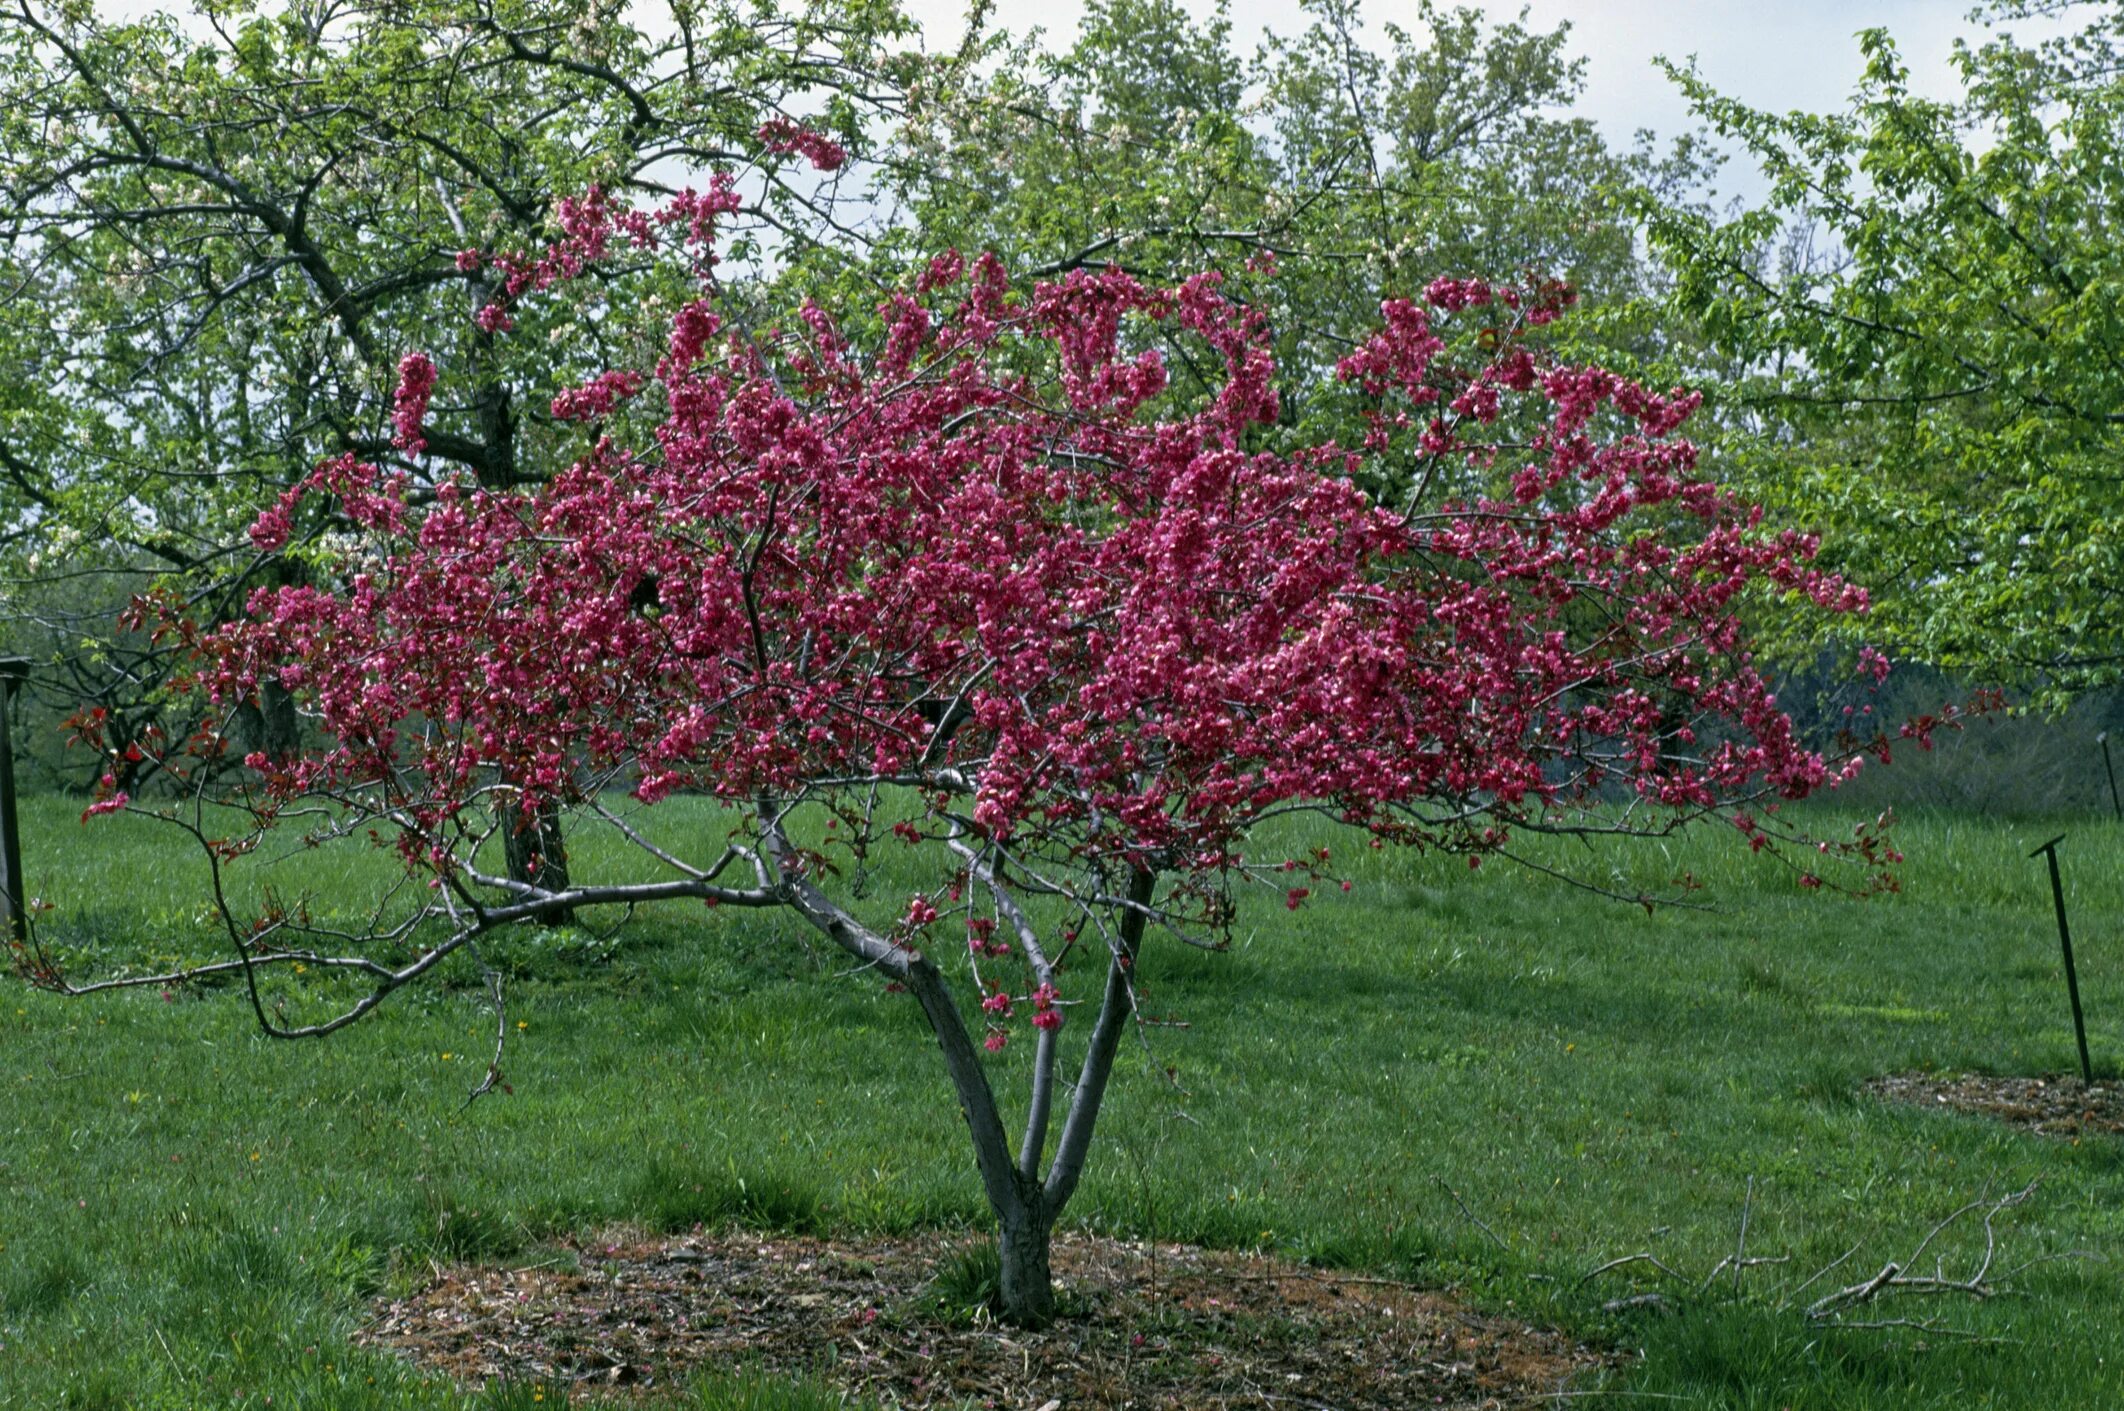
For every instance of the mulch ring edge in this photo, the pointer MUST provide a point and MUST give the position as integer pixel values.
(1217, 1330)
(2051, 1105)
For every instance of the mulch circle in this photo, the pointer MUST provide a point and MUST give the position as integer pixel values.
(2054, 1106)
(1166, 1327)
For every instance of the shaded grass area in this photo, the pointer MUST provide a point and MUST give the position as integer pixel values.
(197, 1214)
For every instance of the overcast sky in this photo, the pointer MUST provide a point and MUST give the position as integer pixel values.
(1775, 54)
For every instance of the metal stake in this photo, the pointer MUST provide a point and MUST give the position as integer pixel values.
(12, 670)
(2116, 804)
(2072, 978)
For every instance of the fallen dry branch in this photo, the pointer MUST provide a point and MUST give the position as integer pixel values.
(1641, 1257)
(1897, 1278)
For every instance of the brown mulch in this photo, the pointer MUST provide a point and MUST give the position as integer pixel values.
(2054, 1106)
(1170, 1328)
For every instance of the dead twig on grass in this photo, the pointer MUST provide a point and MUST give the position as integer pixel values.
(1472, 1217)
(1896, 1278)
(1641, 1257)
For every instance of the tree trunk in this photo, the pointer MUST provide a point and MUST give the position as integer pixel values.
(1027, 1292)
(269, 725)
(536, 851)
(1025, 1206)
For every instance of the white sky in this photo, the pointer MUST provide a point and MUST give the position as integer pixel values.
(1773, 54)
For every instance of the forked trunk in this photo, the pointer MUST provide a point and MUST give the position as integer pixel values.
(1027, 1289)
(1025, 1205)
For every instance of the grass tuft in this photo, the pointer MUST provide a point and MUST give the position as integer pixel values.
(968, 1284)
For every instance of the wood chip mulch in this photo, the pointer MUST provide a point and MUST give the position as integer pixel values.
(2055, 1106)
(1177, 1327)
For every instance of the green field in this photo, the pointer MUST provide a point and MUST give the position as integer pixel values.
(195, 1215)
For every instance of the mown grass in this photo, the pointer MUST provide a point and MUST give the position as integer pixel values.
(196, 1215)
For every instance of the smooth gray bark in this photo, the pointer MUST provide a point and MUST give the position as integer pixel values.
(1117, 1009)
(1025, 1206)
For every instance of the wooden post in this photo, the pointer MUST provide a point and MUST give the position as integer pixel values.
(12, 895)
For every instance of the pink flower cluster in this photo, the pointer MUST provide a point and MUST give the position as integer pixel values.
(1045, 1014)
(1159, 632)
(784, 135)
(981, 937)
(598, 396)
(409, 403)
(110, 799)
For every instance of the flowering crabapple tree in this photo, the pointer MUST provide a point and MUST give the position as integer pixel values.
(985, 591)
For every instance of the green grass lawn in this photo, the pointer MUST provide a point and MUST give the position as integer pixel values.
(195, 1215)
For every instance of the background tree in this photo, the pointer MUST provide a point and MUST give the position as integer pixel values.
(219, 236)
(1356, 172)
(1071, 644)
(1926, 316)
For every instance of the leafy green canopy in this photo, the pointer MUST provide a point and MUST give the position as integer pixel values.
(1319, 176)
(218, 236)
(1927, 315)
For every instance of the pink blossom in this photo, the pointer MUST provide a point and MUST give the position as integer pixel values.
(409, 403)
(114, 804)
(598, 396)
(274, 526)
(1086, 619)
(783, 135)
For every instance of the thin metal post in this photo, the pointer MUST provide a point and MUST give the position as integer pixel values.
(12, 895)
(2116, 803)
(2072, 978)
